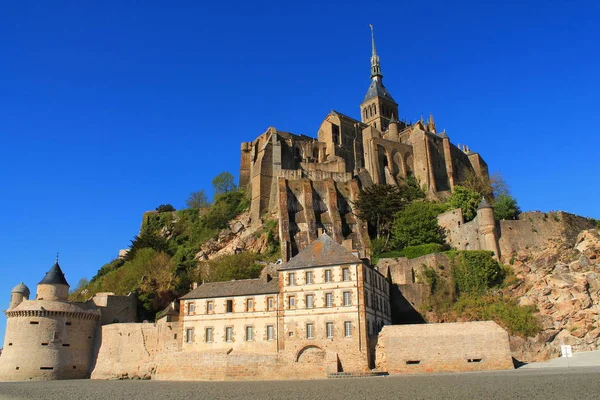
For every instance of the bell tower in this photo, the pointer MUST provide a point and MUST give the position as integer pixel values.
(378, 107)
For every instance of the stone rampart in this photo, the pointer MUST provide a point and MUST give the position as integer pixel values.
(448, 347)
(149, 351)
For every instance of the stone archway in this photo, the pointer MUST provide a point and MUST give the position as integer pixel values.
(311, 355)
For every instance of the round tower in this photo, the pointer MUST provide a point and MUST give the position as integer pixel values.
(488, 239)
(48, 338)
(54, 286)
(393, 130)
(18, 294)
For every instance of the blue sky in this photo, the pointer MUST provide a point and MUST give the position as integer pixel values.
(108, 109)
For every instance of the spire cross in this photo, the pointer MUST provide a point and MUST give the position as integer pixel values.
(57, 255)
(375, 68)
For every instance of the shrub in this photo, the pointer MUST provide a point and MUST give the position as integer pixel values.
(505, 207)
(417, 224)
(165, 208)
(506, 312)
(235, 266)
(421, 250)
(475, 271)
(466, 199)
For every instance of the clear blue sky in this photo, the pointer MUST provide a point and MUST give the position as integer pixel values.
(108, 109)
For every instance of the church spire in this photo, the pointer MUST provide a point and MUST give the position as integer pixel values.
(375, 68)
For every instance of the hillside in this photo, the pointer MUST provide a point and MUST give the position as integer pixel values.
(175, 248)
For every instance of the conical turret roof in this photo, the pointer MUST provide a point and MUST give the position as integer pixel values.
(54, 277)
(484, 204)
(21, 288)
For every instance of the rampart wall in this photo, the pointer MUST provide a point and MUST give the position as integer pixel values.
(448, 347)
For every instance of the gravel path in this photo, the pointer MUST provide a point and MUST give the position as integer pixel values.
(547, 384)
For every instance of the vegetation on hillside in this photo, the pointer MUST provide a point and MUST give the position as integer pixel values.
(472, 288)
(161, 262)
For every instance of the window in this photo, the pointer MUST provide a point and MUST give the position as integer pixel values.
(367, 301)
(328, 299)
(189, 335)
(229, 308)
(249, 305)
(367, 276)
(209, 335)
(292, 302)
(270, 303)
(335, 134)
(347, 328)
(310, 303)
(310, 331)
(249, 333)
(292, 279)
(191, 308)
(270, 332)
(229, 334)
(347, 299)
(327, 275)
(309, 278)
(329, 329)
(345, 274)
(210, 305)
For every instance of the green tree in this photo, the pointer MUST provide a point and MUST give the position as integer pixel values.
(224, 183)
(466, 199)
(197, 200)
(165, 208)
(234, 266)
(147, 239)
(377, 205)
(506, 207)
(417, 224)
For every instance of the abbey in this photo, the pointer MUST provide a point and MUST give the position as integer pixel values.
(312, 182)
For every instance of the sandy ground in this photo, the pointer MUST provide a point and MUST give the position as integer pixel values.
(543, 383)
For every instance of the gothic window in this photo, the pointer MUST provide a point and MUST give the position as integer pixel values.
(335, 134)
(374, 108)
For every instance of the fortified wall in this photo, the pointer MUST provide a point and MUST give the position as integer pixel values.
(531, 233)
(448, 347)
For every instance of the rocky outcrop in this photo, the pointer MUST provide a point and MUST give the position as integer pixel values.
(240, 236)
(563, 282)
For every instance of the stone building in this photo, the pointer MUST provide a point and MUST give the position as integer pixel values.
(324, 299)
(312, 182)
(51, 338)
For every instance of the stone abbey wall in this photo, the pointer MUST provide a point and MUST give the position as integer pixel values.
(448, 347)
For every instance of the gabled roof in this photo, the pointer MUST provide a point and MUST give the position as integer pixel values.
(322, 252)
(171, 309)
(54, 277)
(242, 287)
(376, 89)
(342, 115)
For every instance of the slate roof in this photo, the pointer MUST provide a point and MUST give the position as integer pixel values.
(171, 309)
(243, 287)
(21, 288)
(323, 251)
(376, 89)
(54, 277)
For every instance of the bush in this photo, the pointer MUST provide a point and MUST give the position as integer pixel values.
(165, 208)
(465, 199)
(226, 207)
(235, 266)
(517, 320)
(417, 224)
(421, 250)
(475, 271)
(505, 207)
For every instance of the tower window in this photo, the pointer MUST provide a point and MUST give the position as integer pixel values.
(335, 134)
